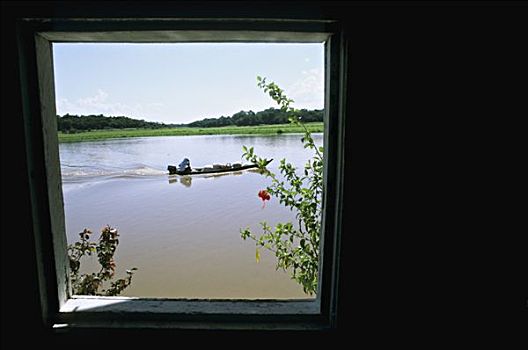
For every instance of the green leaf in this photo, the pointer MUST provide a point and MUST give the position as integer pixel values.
(292, 194)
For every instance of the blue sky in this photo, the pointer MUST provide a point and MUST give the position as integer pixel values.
(180, 83)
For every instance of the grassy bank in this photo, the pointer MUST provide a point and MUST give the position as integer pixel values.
(227, 130)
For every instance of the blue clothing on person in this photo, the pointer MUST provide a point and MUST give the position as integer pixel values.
(184, 165)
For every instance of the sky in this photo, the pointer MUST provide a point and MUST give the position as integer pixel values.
(181, 83)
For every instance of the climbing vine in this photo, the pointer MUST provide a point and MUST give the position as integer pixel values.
(94, 283)
(296, 246)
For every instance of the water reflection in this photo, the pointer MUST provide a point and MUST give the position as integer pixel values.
(184, 180)
(235, 173)
(187, 180)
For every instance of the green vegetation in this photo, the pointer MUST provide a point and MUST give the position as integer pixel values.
(93, 283)
(265, 117)
(71, 124)
(185, 131)
(296, 247)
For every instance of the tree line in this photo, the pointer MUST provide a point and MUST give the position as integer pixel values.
(74, 123)
(268, 116)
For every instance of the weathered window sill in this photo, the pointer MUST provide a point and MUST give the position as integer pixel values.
(123, 312)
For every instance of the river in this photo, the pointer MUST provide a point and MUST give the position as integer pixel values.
(182, 233)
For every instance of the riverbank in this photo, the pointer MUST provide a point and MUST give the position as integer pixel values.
(227, 130)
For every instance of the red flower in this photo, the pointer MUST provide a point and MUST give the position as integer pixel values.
(265, 196)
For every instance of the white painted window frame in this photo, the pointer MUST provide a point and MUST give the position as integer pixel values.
(62, 310)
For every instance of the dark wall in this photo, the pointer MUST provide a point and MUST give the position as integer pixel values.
(422, 79)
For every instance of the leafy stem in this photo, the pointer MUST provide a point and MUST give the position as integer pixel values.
(105, 248)
(295, 247)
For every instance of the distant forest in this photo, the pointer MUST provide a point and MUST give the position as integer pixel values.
(73, 123)
(268, 116)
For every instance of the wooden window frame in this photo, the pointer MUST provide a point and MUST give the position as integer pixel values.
(62, 310)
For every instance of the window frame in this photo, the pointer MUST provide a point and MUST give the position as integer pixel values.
(62, 310)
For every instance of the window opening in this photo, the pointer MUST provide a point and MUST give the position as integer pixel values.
(128, 115)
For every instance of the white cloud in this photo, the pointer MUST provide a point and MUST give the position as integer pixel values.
(308, 92)
(97, 101)
(101, 104)
(64, 106)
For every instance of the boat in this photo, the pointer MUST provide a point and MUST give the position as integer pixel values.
(215, 168)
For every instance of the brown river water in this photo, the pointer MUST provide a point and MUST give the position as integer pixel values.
(182, 233)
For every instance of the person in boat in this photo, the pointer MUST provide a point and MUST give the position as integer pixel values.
(185, 166)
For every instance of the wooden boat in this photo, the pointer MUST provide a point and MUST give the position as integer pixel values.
(217, 168)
